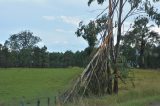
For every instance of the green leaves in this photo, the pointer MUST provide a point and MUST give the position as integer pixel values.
(156, 0)
(140, 21)
(142, 39)
(22, 40)
(152, 12)
(88, 32)
(98, 1)
(134, 3)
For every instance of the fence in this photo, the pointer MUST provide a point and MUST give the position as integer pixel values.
(44, 101)
(41, 101)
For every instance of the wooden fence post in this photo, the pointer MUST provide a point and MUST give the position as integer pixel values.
(22, 102)
(38, 102)
(55, 100)
(48, 101)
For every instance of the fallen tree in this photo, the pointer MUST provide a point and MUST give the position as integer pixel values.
(105, 65)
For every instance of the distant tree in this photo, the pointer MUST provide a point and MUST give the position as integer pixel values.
(21, 46)
(25, 58)
(68, 59)
(14, 59)
(142, 38)
(1, 56)
(22, 40)
(36, 57)
(4, 57)
(81, 58)
(44, 57)
(130, 54)
(55, 59)
(40, 57)
(152, 57)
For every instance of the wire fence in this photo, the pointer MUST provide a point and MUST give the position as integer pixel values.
(42, 101)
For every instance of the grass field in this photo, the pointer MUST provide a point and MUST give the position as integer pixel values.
(145, 93)
(17, 84)
(32, 84)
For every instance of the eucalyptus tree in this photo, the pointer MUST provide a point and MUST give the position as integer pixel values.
(110, 24)
(141, 37)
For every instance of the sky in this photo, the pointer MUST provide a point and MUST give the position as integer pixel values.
(54, 21)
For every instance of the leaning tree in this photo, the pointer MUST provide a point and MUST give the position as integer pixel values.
(104, 67)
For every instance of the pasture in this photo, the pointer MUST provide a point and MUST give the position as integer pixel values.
(145, 93)
(29, 84)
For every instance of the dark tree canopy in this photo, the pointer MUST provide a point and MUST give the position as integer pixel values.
(22, 40)
(141, 38)
(98, 1)
(88, 32)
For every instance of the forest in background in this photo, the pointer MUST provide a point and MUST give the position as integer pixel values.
(21, 50)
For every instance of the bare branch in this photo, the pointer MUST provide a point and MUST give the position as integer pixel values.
(102, 12)
(124, 3)
(115, 5)
(128, 29)
(127, 15)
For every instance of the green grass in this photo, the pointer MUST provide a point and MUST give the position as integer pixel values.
(16, 83)
(146, 91)
(32, 84)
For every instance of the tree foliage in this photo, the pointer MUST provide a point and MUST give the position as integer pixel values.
(98, 1)
(22, 40)
(21, 51)
(141, 38)
(105, 28)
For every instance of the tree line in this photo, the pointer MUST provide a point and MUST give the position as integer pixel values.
(41, 58)
(21, 50)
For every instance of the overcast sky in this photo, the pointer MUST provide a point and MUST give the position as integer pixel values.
(54, 21)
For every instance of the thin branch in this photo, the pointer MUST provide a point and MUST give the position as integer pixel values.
(102, 12)
(134, 13)
(97, 10)
(124, 3)
(128, 14)
(128, 29)
(115, 5)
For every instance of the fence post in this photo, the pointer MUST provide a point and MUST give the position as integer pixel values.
(48, 101)
(38, 102)
(22, 102)
(55, 100)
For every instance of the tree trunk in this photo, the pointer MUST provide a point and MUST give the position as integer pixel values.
(109, 54)
(109, 90)
(115, 87)
(141, 63)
